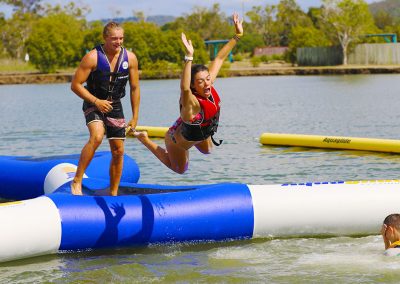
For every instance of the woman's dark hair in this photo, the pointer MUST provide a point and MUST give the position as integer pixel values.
(196, 69)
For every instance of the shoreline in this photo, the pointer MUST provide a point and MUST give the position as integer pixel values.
(40, 78)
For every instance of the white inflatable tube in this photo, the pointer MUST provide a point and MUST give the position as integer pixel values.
(29, 228)
(216, 212)
(349, 208)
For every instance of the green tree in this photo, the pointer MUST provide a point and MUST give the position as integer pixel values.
(275, 22)
(71, 9)
(208, 23)
(24, 6)
(315, 14)
(204, 24)
(290, 15)
(346, 21)
(3, 51)
(249, 41)
(393, 29)
(383, 19)
(135, 40)
(305, 37)
(262, 22)
(392, 7)
(15, 33)
(93, 36)
(16, 30)
(49, 48)
(144, 39)
(151, 44)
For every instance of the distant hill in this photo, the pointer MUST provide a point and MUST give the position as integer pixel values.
(159, 20)
(392, 7)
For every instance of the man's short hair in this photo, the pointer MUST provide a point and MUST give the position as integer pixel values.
(109, 27)
(393, 220)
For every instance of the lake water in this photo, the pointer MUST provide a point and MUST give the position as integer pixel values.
(43, 120)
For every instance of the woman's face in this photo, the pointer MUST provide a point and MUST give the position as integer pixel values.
(114, 40)
(202, 83)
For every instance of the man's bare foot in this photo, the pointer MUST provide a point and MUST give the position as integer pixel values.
(101, 192)
(114, 192)
(76, 188)
(105, 192)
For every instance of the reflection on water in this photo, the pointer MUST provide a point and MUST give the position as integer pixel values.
(43, 120)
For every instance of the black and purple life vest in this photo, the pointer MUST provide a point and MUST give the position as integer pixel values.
(106, 84)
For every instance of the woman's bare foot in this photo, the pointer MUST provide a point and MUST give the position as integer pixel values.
(76, 188)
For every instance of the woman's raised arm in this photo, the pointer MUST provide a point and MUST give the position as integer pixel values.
(224, 52)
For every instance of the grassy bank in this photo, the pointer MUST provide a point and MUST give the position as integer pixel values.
(16, 66)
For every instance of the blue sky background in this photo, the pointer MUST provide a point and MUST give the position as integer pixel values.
(125, 8)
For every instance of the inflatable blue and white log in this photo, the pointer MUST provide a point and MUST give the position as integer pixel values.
(24, 177)
(48, 224)
(145, 214)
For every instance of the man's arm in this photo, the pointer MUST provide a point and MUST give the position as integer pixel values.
(86, 66)
(134, 89)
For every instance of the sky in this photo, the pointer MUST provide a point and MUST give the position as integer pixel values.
(103, 9)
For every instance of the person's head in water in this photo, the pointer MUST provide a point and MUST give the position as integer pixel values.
(391, 230)
(200, 81)
(113, 35)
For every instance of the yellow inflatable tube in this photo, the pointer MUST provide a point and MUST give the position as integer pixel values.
(335, 142)
(152, 131)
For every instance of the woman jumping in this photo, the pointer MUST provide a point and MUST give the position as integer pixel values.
(199, 109)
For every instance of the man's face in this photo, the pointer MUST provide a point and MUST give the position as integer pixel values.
(114, 40)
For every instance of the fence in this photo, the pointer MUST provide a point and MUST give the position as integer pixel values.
(363, 54)
(376, 54)
(319, 56)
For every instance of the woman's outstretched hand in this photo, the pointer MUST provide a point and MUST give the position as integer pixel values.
(188, 45)
(238, 24)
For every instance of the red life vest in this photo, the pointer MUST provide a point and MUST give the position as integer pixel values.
(205, 123)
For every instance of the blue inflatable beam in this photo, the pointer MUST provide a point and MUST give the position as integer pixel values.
(196, 214)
